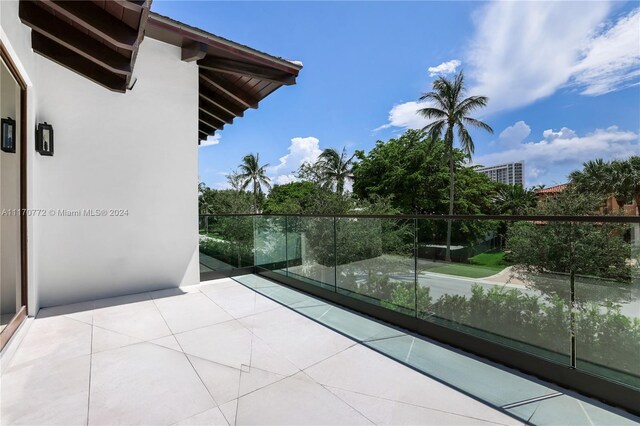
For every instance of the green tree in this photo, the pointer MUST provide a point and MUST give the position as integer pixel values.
(223, 201)
(634, 180)
(514, 200)
(413, 175)
(252, 173)
(618, 179)
(335, 168)
(291, 198)
(450, 111)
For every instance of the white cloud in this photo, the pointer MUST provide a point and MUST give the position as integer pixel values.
(522, 52)
(211, 140)
(284, 179)
(565, 149)
(301, 150)
(612, 59)
(515, 134)
(448, 67)
(405, 115)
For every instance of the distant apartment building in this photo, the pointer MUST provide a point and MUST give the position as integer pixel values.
(510, 173)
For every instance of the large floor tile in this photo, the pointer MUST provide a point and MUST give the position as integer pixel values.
(229, 411)
(240, 301)
(228, 343)
(300, 340)
(105, 340)
(46, 393)
(253, 379)
(265, 358)
(385, 412)
(52, 338)
(222, 381)
(144, 384)
(359, 369)
(296, 400)
(135, 316)
(212, 417)
(190, 311)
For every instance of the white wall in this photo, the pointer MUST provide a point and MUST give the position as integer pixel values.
(134, 151)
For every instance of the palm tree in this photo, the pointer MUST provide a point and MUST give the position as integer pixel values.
(251, 172)
(607, 179)
(335, 168)
(592, 178)
(450, 111)
(515, 200)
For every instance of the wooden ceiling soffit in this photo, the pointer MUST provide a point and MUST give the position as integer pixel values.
(41, 21)
(96, 20)
(229, 66)
(211, 121)
(215, 112)
(229, 89)
(68, 59)
(221, 102)
(106, 55)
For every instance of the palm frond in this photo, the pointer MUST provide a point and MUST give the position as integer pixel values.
(430, 112)
(465, 140)
(477, 123)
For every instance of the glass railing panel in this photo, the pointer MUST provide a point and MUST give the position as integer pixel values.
(496, 283)
(225, 242)
(607, 300)
(311, 251)
(271, 243)
(375, 261)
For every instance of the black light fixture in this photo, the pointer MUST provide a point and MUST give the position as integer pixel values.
(44, 139)
(8, 134)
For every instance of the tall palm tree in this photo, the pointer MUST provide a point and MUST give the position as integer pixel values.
(251, 172)
(336, 168)
(450, 110)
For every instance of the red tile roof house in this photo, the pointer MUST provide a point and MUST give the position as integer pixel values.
(122, 97)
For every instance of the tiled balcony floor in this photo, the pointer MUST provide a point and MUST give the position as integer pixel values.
(222, 353)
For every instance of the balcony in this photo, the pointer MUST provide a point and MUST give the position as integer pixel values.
(339, 320)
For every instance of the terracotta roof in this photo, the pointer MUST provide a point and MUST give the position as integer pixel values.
(553, 189)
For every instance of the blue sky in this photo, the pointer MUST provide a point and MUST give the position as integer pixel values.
(563, 78)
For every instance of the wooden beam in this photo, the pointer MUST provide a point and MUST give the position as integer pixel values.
(221, 102)
(207, 128)
(73, 39)
(200, 132)
(229, 89)
(76, 63)
(209, 121)
(135, 5)
(97, 20)
(215, 111)
(249, 70)
(193, 51)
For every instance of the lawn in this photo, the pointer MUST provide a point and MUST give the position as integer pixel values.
(479, 266)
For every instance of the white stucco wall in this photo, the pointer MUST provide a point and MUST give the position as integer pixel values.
(135, 151)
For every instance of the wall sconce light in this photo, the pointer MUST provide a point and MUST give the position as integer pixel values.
(8, 134)
(44, 139)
